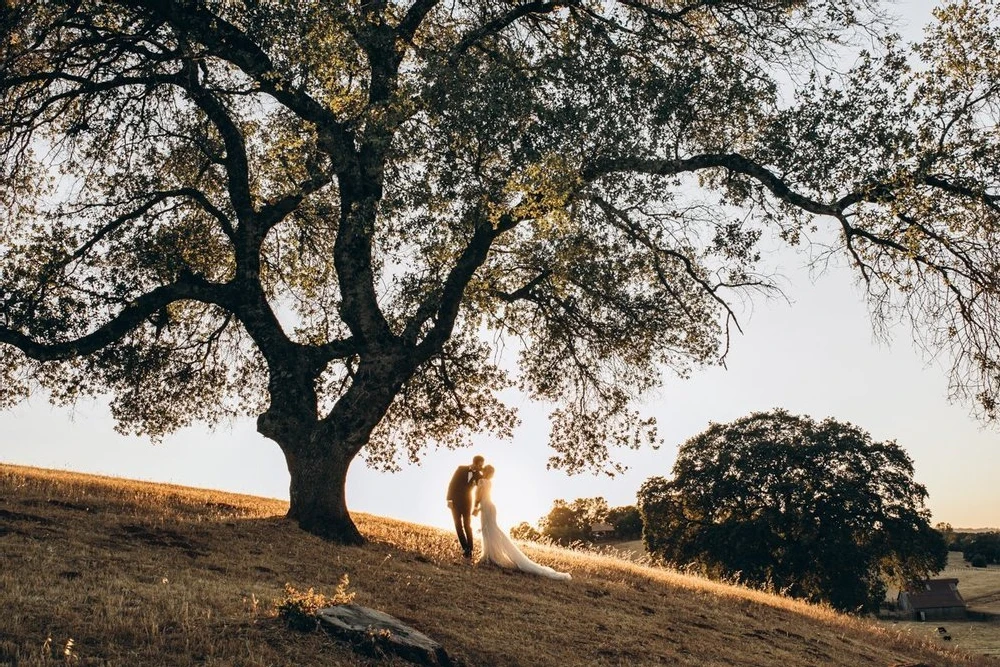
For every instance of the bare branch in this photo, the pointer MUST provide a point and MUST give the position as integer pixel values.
(525, 291)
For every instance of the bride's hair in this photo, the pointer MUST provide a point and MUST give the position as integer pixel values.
(488, 471)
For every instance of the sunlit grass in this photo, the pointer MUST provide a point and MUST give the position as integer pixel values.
(104, 571)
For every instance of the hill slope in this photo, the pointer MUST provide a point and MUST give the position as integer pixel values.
(101, 571)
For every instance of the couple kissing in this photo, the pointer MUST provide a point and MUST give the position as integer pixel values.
(498, 548)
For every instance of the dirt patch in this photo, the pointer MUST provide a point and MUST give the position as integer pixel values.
(161, 537)
(70, 506)
(22, 517)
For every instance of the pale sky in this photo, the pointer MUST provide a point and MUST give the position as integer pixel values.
(816, 356)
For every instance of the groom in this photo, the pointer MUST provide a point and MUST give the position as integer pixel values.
(460, 501)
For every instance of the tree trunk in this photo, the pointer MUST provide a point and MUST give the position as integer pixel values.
(318, 496)
(318, 452)
(317, 467)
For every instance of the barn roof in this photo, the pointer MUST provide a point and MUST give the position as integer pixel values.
(935, 593)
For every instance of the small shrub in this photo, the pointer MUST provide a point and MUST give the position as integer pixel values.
(978, 560)
(299, 609)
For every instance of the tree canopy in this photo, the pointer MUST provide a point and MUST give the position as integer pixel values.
(980, 549)
(573, 522)
(815, 509)
(337, 216)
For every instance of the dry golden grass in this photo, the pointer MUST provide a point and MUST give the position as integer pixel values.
(100, 571)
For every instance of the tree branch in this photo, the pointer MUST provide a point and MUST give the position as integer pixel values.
(193, 194)
(413, 18)
(236, 160)
(274, 212)
(676, 16)
(690, 269)
(229, 43)
(992, 202)
(524, 292)
(536, 7)
(447, 305)
(733, 162)
(339, 349)
(188, 287)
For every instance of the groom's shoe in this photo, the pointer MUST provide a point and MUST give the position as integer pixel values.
(467, 554)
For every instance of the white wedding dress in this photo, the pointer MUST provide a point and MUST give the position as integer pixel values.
(498, 548)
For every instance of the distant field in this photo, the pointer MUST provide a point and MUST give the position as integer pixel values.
(633, 549)
(979, 586)
(981, 589)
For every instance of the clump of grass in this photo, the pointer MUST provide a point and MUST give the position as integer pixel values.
(300, 610)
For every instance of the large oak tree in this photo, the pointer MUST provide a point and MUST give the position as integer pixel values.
(335, 215)
(815, 509)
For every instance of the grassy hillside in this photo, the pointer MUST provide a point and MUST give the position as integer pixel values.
(99, 571)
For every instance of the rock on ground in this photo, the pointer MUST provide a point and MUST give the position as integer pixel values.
(370, 629)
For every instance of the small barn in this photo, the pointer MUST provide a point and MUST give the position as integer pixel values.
(933, 599)
(602, 531)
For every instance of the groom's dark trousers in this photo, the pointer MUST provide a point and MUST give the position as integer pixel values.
(460, 499)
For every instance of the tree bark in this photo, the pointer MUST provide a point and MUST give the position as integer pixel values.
(317, 463)
(318, 498)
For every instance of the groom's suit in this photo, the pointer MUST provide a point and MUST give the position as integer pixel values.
(460, 501)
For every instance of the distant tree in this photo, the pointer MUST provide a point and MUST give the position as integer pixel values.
(985, 546)
(627, 522)
(947, 532)
(563, 524)
(571, 522)
(331, 216)
(525, 531)
(819, 510)
(960, 541)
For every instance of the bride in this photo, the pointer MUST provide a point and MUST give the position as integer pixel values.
(498, 548)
